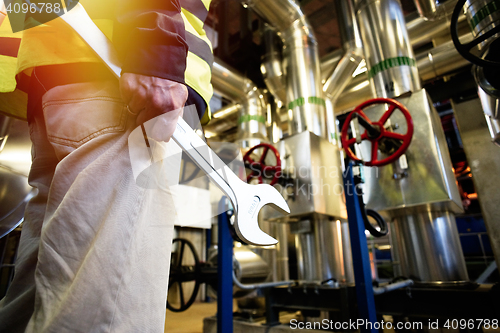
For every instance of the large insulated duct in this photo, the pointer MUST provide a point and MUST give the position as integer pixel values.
(351, 39)
(422, 31)
(304, 94)
(392, 68)
(271, 66)
(419, 30)
(328, 63)
(252, 114)
(441, 60)
(434, 63)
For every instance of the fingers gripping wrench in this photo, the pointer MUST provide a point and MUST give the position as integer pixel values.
(247, 199)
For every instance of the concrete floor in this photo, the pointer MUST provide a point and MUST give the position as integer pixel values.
(200, 318)
(191, 320)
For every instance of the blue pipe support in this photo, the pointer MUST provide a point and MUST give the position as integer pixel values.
(225, 271)
(360, 254)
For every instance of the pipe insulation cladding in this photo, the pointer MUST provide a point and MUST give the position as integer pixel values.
(304, 93)
(252, 113)
(391, 63)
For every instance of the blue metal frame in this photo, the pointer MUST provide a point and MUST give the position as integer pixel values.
(360, 254)
(225, 271)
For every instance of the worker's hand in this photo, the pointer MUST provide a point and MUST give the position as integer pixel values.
(150, 97)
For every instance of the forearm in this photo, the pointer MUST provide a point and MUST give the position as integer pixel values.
(150, 37)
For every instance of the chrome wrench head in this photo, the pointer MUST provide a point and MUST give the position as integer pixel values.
(251, 199)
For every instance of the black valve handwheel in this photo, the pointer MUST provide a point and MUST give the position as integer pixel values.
(464, 49)
(183, 274)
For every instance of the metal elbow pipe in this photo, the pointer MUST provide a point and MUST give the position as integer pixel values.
(252, 114)
(353, 46)
(281, 14)
(304, 94)
(271, 67)
(441, 60)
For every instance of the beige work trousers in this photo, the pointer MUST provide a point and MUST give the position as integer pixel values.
(95, 247)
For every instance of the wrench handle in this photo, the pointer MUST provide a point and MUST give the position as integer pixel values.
(78, 19)
(206, 159)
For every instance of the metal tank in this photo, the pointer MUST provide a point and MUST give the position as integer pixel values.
(419, 192)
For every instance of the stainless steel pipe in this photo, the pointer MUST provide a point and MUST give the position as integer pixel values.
(441, 60)
(320, 252)
(437, 62)
(429, 248)
(252, 115)
(391, 64)
(271, 66)
(304, 94)
(433, 9)
(392, 286)
(351, 39)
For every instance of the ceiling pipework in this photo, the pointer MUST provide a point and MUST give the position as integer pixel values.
(437, 62)
(392, 68)
(433, 9)
(252, 114)
(343, 72)
(304, 94)
(271, 67)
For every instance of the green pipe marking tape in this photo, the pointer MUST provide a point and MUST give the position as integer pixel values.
(246, 118)
(310, 100)
(390, 63)
(484, 12)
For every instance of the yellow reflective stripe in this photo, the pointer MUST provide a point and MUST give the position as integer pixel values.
(49, 42)
(194, 26)
(196, 7)
(198, 77)
(14, 104)
(206, 3)
(7, 74)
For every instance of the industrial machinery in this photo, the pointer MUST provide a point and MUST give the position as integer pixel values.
(187, 273)
(354, 142)
(408, 173)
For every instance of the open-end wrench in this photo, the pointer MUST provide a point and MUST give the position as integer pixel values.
(247, 199)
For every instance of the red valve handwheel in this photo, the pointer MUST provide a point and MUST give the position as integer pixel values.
(259, 168)
(405, 138)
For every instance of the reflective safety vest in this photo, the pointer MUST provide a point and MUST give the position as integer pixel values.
(47, 44)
